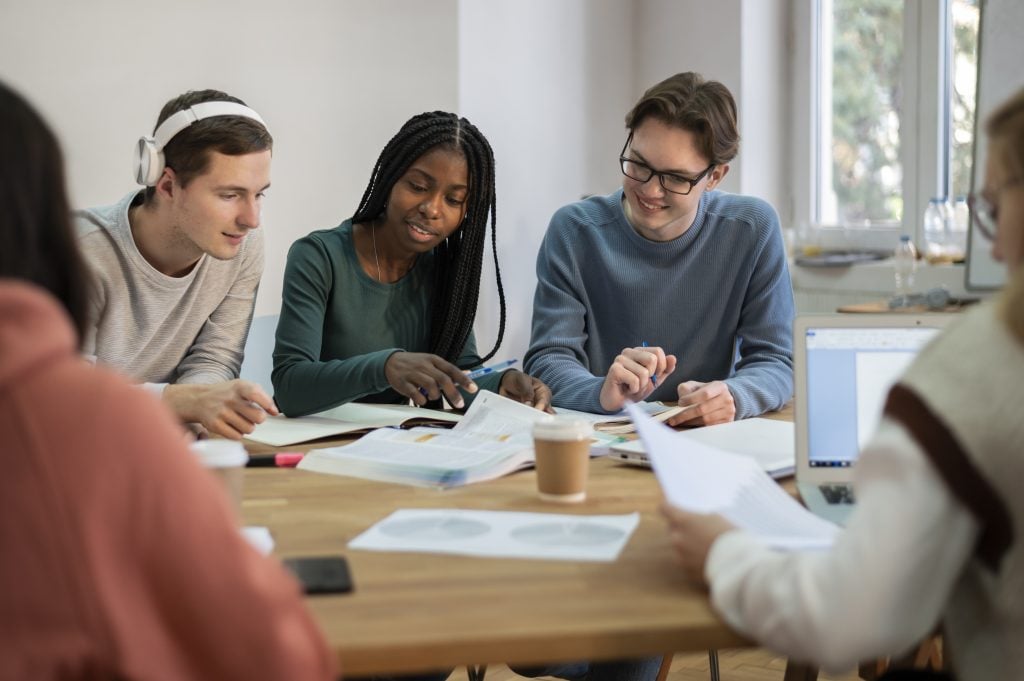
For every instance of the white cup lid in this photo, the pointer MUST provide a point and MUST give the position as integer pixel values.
(220, 453)
(568, 428)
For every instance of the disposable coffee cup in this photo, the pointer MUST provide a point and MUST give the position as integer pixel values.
(226, 459)
(562, 450)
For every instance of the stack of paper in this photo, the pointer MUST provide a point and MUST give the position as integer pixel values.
(704, 479)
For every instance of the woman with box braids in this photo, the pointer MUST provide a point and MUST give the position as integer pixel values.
(381, 308)
(460, 256)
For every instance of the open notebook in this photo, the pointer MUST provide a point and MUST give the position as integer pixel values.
(769, 442)
(621, 424)
(493, 439)
(351, 418)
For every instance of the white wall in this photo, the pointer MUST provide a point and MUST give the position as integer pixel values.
(548, 83)
(744, 44)
(334, 79)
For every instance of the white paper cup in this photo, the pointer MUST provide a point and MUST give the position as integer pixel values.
(226, 459)
(562, 450)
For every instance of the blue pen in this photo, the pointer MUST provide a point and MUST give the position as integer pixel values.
(654, 377)
(483, 371)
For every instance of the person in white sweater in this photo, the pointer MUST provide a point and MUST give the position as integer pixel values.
(936, 535)
(177, 264)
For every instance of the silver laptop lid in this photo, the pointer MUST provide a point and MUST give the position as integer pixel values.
(844, 366)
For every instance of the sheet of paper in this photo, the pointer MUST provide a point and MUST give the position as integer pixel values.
(704, 479)
(499, 534)
(279, 431)
(499, 417)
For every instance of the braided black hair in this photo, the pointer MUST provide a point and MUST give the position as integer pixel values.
(459, 257)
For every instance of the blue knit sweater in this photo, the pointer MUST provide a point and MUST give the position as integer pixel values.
(719, 297)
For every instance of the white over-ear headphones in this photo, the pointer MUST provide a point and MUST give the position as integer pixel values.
(149, 152)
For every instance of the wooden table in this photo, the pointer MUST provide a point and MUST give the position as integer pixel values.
(419, 612)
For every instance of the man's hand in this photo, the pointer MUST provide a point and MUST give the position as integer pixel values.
(632, 376)
(230, 409)
(421, 376)
(709, 403)
(692, 535)
(521, 387)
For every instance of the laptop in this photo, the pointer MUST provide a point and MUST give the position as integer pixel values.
(844, 366)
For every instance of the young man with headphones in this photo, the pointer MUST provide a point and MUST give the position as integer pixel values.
(178, 263)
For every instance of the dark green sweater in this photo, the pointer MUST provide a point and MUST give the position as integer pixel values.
(338, 326)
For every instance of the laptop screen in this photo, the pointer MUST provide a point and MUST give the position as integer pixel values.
(849, 373)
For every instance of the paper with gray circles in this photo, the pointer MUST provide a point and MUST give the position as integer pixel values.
(501, 534)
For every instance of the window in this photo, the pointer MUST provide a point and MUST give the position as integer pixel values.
(890, 103)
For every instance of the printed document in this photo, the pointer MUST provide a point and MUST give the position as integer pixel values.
(500, 534)
(703, 479)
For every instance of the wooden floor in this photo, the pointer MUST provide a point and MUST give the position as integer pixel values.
(733, 665)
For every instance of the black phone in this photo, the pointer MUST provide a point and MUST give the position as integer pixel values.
(321, 574)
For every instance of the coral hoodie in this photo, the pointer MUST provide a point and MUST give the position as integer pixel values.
(119, 554)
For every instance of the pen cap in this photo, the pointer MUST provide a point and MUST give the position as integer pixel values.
(563, 429)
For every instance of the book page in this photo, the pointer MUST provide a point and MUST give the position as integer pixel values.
(704, 479)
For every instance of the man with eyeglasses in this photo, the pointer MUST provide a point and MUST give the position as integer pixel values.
(667, 289)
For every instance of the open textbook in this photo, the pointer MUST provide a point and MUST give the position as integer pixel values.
(494, 438)
(621, 423)
(354, 417)
(703, 479)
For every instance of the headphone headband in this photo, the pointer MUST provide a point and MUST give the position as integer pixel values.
(149, 152)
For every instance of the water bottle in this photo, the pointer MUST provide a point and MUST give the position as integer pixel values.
(905, 266)
(958, 236)
(938, 220)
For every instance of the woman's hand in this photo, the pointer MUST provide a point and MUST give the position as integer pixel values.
(421, 376)
(692, 535)
(521, 387)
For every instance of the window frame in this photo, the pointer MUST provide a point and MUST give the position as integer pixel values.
(924, 147)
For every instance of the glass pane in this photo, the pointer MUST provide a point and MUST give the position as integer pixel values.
(964, 16)
(861, 87)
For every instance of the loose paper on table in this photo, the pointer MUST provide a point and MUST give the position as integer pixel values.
(501, 534)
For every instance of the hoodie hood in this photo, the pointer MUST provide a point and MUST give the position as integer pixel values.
(34, 330)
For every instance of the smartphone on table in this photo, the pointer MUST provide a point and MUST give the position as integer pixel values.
(321, 574)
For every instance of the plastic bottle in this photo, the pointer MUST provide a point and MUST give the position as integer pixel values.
(958, 236)
(905, 266)
(938, 220)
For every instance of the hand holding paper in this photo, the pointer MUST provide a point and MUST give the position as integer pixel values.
(703, 479)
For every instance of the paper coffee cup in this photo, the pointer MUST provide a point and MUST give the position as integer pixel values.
(562, 451)
(226, 459)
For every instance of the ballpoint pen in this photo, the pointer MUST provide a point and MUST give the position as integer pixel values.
(483, 371)
(654, 377)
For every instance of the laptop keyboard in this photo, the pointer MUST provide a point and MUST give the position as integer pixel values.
(837, 494)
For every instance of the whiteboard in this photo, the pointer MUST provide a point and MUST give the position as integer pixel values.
(1000, 55)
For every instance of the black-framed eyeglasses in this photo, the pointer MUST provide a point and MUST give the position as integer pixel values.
(985, 212)
(670, 182)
